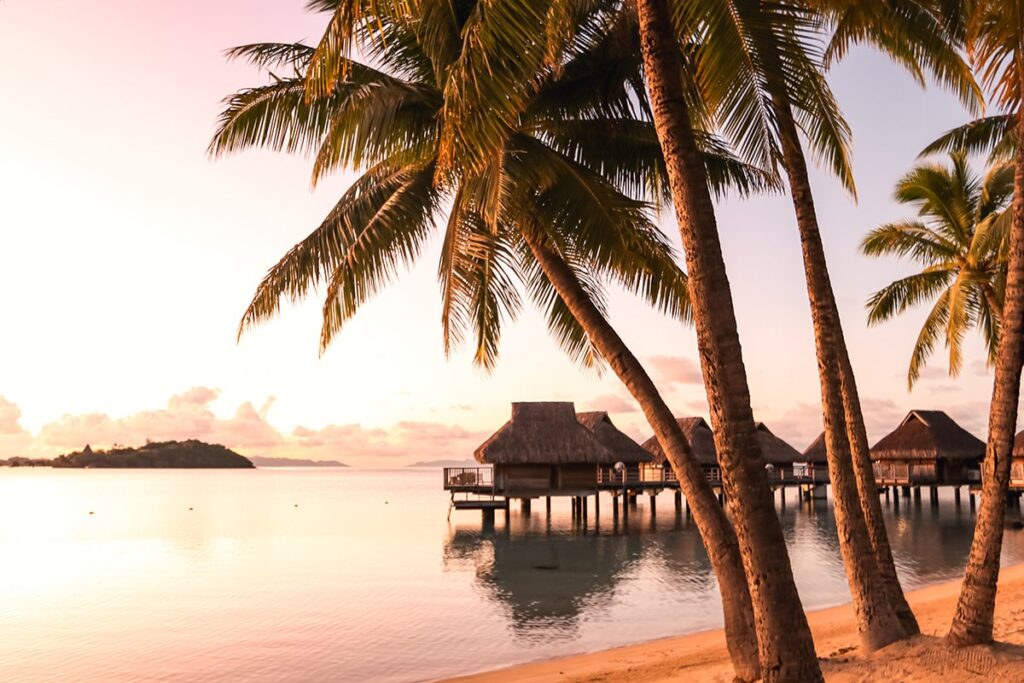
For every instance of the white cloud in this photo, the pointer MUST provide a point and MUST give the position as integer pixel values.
(675, 370)
(189, 415)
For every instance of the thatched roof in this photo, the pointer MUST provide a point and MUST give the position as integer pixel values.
(624, 448)
(698, 433)
(702, 443)
(774, 450)
(1018, 445)
(543, 433)
(925, 435)
(816, 451)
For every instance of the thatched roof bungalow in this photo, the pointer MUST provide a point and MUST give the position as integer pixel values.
(1017, 466)
(545, 450)
(814, 464)
(700, 436)
(774, 450)
(927, 447)
(625, 449)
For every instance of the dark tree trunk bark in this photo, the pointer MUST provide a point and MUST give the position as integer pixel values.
(876, 618)
(786, 645)
(972, 623)
(869, 497)
(718, 535)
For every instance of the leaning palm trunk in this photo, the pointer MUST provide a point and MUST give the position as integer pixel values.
(868, 489)
(871, 593)
(716, 531)
(972, 623)
(784, 638)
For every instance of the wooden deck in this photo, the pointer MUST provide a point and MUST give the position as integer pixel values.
(648, 478)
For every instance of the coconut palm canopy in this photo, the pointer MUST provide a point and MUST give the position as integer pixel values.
(698, 433)
(578, 167)
(959, 239)
(625, 449)
(549, 433)
(926, 435)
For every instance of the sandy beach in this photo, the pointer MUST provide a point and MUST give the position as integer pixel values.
(703, 657)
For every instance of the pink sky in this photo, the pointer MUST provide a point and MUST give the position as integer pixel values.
(127, 257)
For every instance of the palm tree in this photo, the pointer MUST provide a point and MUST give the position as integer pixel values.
(554, 207)
(995, 41)
(959, 240)
(766, 65)
(776, 603)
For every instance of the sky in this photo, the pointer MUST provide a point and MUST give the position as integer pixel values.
(127, 256)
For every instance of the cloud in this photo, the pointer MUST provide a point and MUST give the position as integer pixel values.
(799, 425)
(613, 403)
(14, 439)
(675, 370)
(189, 415)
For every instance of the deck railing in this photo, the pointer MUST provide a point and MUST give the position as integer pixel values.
(456, 478)
(607, 474)
(645, 474)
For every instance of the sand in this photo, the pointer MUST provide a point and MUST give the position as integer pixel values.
(703, 657)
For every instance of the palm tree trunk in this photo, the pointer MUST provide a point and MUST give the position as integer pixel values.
(868, 489)
(718, 535)
(877, 621)
(786, 645)
(972, 623)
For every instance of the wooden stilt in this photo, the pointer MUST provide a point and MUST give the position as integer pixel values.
(654, 500)
(933, 496)
(956, 495)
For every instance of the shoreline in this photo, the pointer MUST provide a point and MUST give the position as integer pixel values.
(703, 656)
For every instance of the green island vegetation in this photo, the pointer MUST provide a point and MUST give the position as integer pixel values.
(164, 454)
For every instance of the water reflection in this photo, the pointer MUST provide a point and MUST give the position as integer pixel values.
(549, 574)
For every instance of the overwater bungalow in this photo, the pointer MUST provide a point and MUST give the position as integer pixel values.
(1017, 465)
(702, 443)
(546, 450)
(927, 448)
(814, 462)
(625, 449)
(778, 455)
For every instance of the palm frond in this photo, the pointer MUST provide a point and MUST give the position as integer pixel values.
(898, 296)
(932, 329)
(987, 135)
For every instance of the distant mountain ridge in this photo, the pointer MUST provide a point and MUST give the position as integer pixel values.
(163, 454)
(468, 462)
(263, 461)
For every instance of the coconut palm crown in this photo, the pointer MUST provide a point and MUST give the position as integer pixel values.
(576, 168)
(959, 239)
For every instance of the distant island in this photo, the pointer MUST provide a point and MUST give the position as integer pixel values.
(261, 461)
(18, 461)
(445, 463)
(169, 454)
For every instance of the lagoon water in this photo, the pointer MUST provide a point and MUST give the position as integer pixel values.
(356, 575)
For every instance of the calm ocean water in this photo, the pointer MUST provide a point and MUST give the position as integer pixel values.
(355, 575)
